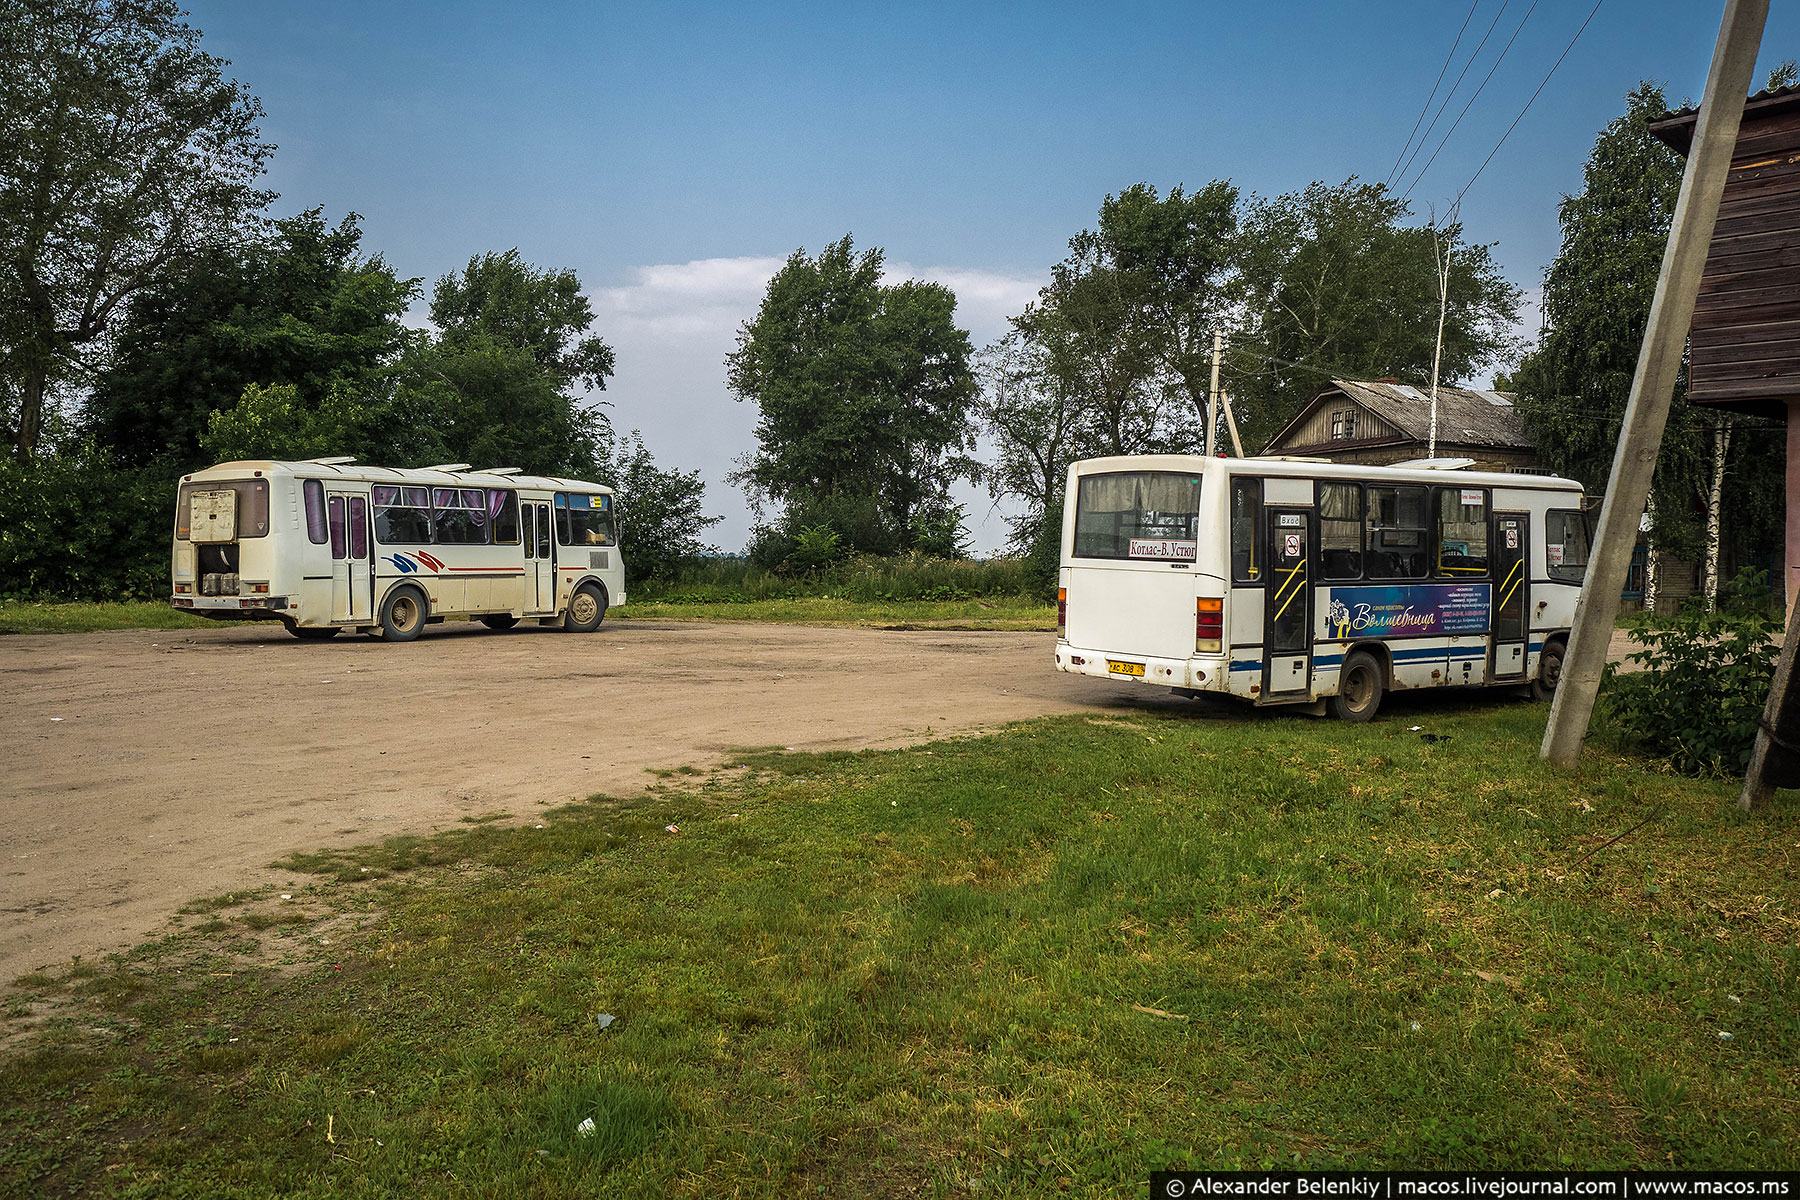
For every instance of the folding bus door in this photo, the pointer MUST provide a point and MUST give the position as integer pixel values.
(1287, 620)
(540, 568)
(1512, 591)
(352, 584)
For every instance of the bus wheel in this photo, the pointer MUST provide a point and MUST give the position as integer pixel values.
(1359, 689)
(499, 620)
(314, 633)
(1543, 687)
(402, 615)
(587, 608)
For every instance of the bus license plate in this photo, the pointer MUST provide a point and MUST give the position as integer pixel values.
(1115, 667)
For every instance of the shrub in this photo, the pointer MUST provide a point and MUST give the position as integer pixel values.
(76, 526)
(1705, 680)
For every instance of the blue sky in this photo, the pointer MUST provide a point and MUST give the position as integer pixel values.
(674, 154)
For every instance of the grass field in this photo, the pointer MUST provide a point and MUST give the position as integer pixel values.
(27, 616)
(1047, 960)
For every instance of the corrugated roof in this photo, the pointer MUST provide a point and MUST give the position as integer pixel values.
(1465, 417)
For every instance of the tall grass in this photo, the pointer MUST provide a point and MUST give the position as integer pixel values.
(865, 579)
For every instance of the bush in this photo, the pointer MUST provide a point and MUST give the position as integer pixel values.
(76, 526)
(864, 579)
(1705, 680)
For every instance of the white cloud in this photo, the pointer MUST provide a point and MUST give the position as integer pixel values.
(673, 324)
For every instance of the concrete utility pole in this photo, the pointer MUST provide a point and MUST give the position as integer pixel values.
(1212, 397)
(1659, 360)
(1237, 447)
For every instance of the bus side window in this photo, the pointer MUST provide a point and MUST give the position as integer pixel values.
(1462, 532)
(1566, 538)
(315, 511)
(503, 506)
(1340, 531)
(1246, 531)
(1398, 526)
(562, 518)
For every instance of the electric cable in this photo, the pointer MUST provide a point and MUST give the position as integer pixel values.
(1465, 108)
(1438, 116)
(1426, 107)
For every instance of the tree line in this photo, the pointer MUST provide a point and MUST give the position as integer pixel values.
(154, 318)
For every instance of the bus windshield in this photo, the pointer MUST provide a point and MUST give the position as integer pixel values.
(1151, 515)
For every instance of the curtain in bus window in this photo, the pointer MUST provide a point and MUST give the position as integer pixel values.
(1398, 526)
(315, 511)
(1340, 530)
(459, 516)
(503, 514)
(1246, 531)
(402, 516)
(1566, 538)
(359, 528)
(1137, 514)
(1462, 531)
(336, 521)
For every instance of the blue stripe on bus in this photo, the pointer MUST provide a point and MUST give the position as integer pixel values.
(1398, 654)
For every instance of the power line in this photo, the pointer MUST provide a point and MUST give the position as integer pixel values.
(1472, 99)
(1528, 103)
(1473, 55)
(1426, 107)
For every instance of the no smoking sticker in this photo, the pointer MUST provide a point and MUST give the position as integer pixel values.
(1512, 539)
(1293, 545)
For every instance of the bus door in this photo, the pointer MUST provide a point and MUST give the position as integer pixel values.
(540, 567)
(352, 585)
(1512, 592)
(1287, 619)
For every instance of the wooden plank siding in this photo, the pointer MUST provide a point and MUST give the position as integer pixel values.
(1744, 345)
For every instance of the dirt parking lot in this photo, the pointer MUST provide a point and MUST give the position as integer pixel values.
(147, 768)
(143, 769)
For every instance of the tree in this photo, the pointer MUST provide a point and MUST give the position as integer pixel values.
(1332, 283)
(864, 393)
(299, 307)
(661, 522)
(501, 298)
(1176, 253)
(122, 145)
(1575, 382)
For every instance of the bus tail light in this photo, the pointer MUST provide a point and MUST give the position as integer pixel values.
(1209, 626)
(184, 587)
(1062, 612)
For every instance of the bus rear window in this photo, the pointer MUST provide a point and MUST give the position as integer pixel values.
(1149, 515)
(252, 506)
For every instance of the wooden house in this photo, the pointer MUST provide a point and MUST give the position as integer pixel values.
(1384, 422)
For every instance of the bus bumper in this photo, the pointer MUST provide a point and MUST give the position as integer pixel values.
(1206, 673)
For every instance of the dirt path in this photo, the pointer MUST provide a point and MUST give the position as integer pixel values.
(142, 769)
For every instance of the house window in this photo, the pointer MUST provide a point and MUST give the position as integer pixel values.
(1343, 423)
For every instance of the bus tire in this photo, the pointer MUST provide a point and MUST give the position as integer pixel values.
(587, 608)
(1359, 689)
(1549, 672)
(402, 615)
(499, 621)
(314, 633)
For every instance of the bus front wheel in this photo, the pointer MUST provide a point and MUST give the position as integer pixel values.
(1550, 662)
(1359, 689)
(587, 608)
(402, 615)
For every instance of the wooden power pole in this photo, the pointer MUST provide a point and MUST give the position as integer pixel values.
(1653, 386)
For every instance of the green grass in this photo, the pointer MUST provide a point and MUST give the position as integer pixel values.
(25, 616)
(994, 612)
(1047, 960)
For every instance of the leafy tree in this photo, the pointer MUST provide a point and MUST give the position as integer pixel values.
(1176, 253)
(864, 393)
(1332, 283)
(275, 423)
(1574, 384)
(504, 300)
(661, 522)
(122, 146)
(299, 308)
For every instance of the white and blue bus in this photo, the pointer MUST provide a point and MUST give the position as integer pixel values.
(1305, 582)
(327, 545)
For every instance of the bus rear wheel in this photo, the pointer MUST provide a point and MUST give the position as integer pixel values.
(587, 608)
(499, 620)
(402, 615)
(1550, 664)
(314, 633)
(1359, 689)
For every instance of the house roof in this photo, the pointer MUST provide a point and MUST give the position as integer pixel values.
(1465, 417)
(1676, 129)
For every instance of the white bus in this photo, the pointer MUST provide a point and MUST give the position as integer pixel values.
(1291, 582)
(326, 545)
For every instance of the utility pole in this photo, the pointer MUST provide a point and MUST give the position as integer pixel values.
(1237, 447)
(1653, 386)
(1212, 398)
(1442, 256)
